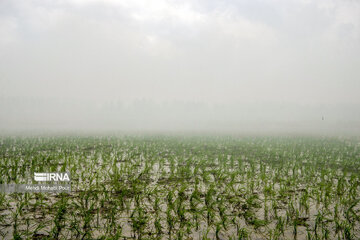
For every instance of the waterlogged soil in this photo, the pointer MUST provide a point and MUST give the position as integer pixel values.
(184, 188)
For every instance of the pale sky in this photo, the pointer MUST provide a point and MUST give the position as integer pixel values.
(304, 52)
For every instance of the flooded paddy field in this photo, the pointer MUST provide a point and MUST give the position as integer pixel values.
(172, 187)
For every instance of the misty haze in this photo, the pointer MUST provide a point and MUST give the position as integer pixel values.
(288, 66)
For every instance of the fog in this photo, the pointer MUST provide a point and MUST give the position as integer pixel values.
(276, 66)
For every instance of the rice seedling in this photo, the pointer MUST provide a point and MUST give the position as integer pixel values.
(172, 187)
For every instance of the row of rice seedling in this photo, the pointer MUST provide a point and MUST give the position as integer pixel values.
(172, 187)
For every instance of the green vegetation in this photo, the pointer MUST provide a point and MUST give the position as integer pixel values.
(165, 187)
